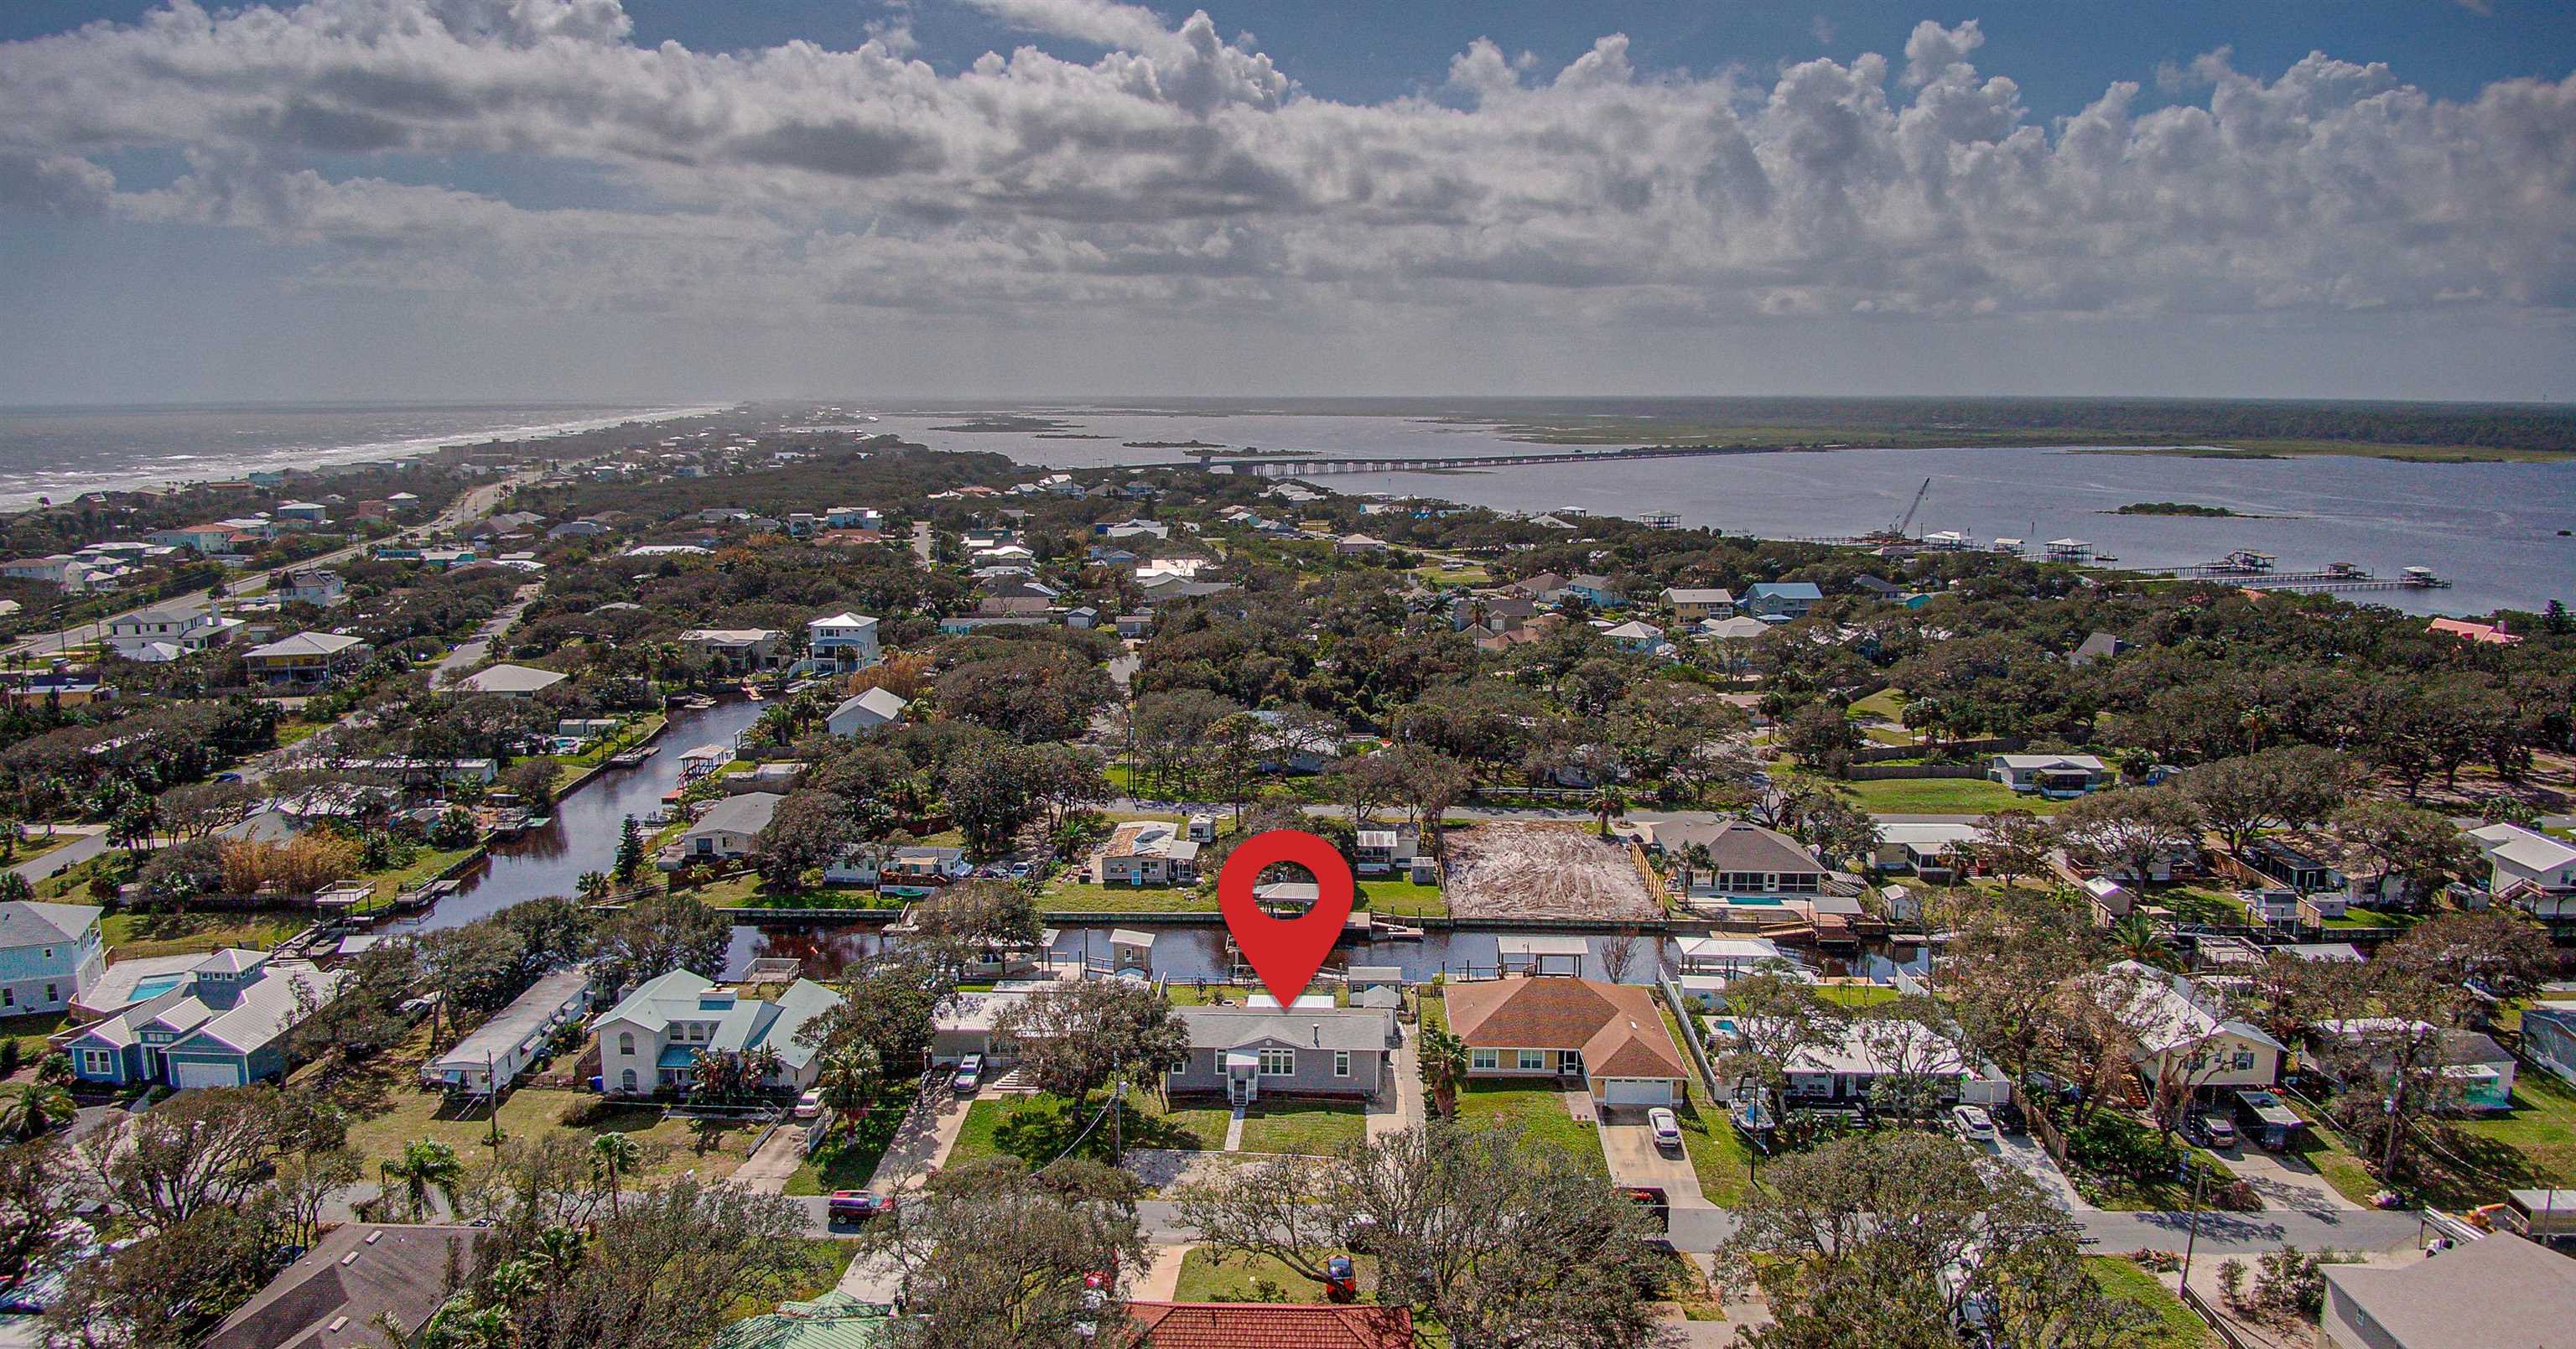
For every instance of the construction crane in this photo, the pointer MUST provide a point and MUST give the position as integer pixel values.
(1906, 521)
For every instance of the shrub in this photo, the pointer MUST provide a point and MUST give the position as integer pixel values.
(2112, 1145)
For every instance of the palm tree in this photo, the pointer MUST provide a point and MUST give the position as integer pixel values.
(425, 1167)
(593, 886)
(2134, 938)
(1444, 1067)
(1607, 803)
(849, 1083)
(33, 1108)
(614, 1156)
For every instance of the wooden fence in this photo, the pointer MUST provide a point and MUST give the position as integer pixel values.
(2200, 1307)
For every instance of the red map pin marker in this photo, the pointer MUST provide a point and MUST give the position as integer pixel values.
(1285, 952)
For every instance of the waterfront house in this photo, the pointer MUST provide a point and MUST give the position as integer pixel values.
(735, 650)
(1691, 604)
(51, 955)
(1608, 1036)
(224, 1024)
(1748, 865)
(1933, 852)
(307, 658)
(1782, 599)
(511, 681)
(1378, 850)
(650, 1041)
(2051, 775)
(498, 1050)
(729, 828)
(1245, 1053)
(917, 864)
(1146, 852)
(2492, 634)
(845, 641)
(869, 711)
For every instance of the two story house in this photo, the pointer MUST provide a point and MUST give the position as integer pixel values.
(306, 658)
(50, 954)
(846, 641)
(320, 587)
(2533, 872)
(223, 1023)
(1782, 599)
(170, 631)
(1692, 603)
(650, 1041)
(735, 650)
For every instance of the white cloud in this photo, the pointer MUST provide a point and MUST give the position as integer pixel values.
(1181, 174)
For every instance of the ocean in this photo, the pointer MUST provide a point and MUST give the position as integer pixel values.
(61, 452)
(2492, 529)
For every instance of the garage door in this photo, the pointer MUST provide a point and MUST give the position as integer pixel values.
(1637, 1091)
(185, 1074)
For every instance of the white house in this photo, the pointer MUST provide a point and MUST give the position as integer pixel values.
(188, 627)
(2050, 775)
(50, 955)
(1146, 852)
(502, 1047)
(511, 681)
(2532, 871)
(846, 640)
(728, 828)
(866, 712)
(650, 1041)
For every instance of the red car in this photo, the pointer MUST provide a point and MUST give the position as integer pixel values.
(859, 1205)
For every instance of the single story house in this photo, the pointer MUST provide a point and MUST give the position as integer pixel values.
(650, 1041)
(2549, 1037)
(1377, 851)
(1243, 1053)
(1747, 865)
(1644, 639)
(869, 711)
(1609, 1036)
(511, 681)
(2182, 1038)
(2050, 775)
(2502, 1290)
(1935, 852)
(2479, 1068)
(357, 1279)
(911, 864)
(51, 956)
(1846, 1072)
(500, 1048)
(1147, 852)
(729, 828)
(224, 1025)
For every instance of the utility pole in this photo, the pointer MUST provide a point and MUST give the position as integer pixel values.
(492, 1092)
(2200, 1177)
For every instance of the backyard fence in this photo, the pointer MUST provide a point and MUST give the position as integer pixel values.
(1884, 772)
(1681, 1009)
(2002, 744)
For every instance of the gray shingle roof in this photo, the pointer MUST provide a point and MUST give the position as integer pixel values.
(29, 923)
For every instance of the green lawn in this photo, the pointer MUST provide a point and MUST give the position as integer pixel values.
(1849, 995)
(1887, 703)
(2177, 1326)
(2357, 916)
(36, 844)
(427, 864)
(2322, 1147)
(2197, 904)
(406, 1114)
(1205, 1277)
(30, 1032)
(2532, 1145)
(1943, 796)
(1402, 899)
(846, 1163)
(131, 935)
(1312, 1128)
(1540, 1113)
(1718, 1154)
(1075, 896)
(1035, 1128)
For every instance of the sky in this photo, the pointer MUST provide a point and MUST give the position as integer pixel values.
(688, 200)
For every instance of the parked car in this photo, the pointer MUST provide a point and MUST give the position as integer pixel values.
(810, 1104)
(859, 1205)
(970, 1075)
(1666, 1127)
(1973, 1123)
(2214, 1130)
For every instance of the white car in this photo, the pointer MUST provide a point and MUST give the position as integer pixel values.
(1665, 1126)
(1973, 1123)
(810, 1104)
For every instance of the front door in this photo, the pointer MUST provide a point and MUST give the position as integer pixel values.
(1238, 1090)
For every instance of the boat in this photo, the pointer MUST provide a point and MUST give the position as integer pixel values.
(633, 758)
(751, 692)
(698, 702)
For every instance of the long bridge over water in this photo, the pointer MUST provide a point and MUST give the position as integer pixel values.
(1316, 465)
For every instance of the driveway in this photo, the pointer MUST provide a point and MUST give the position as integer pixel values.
(64, 858)
(2023, 1153)
(767, 1170)
(2285, 1181)
(1398, 1105)
(922, 1142)
(1635, 1160)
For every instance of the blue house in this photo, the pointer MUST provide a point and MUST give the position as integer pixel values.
(1598, 591)
(50, 954)
(1789, 599)
(223, 1025)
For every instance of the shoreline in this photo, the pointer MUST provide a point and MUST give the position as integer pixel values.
(213, 470)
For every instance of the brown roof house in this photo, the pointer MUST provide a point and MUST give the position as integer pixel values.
(1609, 1035)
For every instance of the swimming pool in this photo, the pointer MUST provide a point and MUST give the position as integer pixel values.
(156, 985)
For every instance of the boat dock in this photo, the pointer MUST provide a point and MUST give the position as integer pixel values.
(2254, 572)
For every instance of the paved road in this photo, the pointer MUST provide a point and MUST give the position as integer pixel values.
(475, 504)
(472, 650)
(64, 858)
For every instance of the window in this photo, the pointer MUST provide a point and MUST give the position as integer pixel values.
(1484, 1059)
(626, 1080)
(1341, 1063)
(8, 997)
(49, 953)
(51, 993)
(1278, 1063)
(2243, 1061)
(626, 1045)
(98, 1062)
(1533, 1060)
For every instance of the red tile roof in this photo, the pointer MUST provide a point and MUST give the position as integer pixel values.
(1263, 1325)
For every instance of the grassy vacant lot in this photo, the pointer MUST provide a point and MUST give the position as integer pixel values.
(37, 844)
(846, 1163)
(1942, 796)
(2177, 1327)
(1078, 896)
(746, 892)
(1540, 1113)
(1718, 1154)
(671, 1145)
(1035, 1128)
(132, 935)
(429, 863)
(1313, 1128)
(1401, 899)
